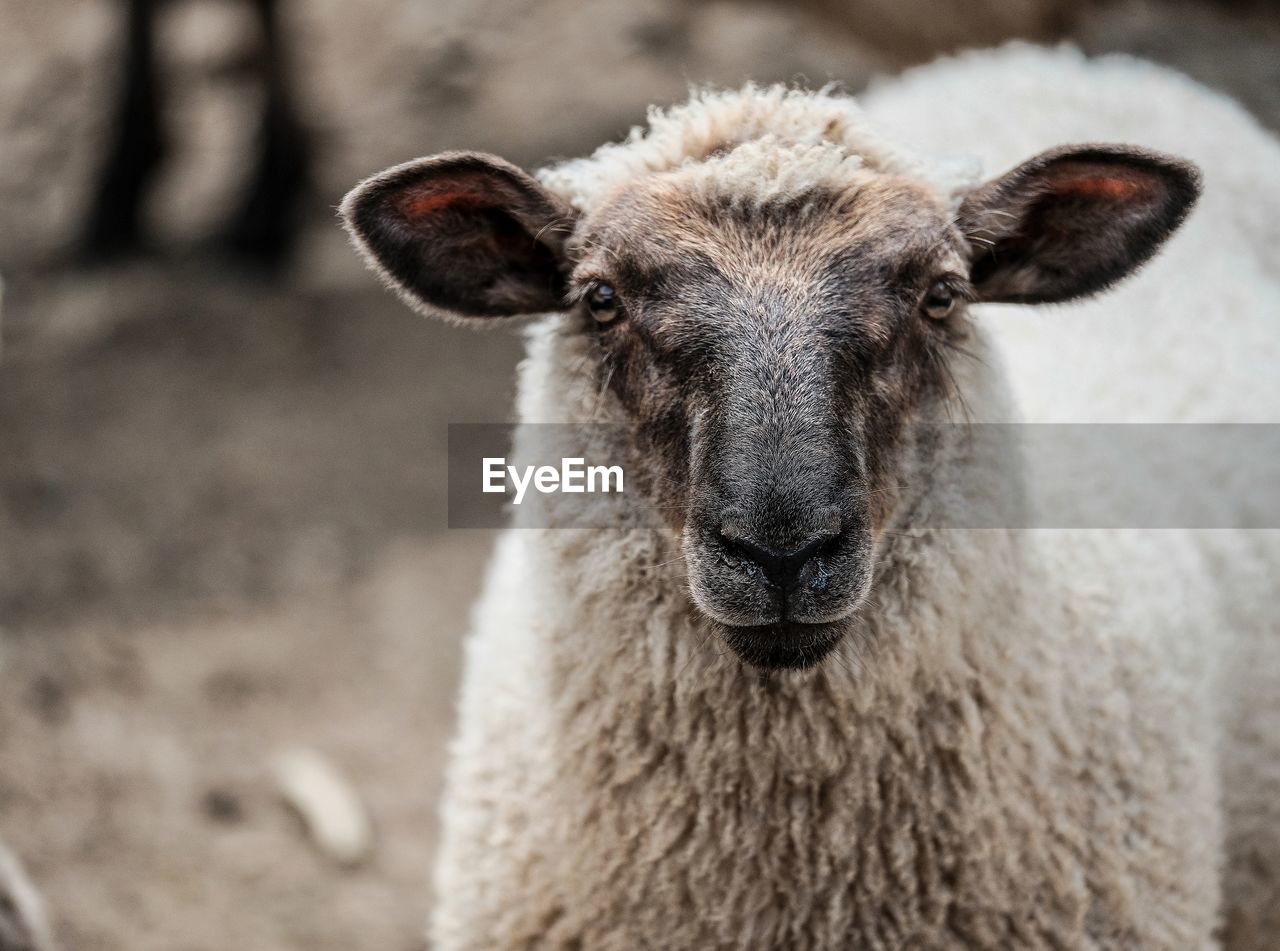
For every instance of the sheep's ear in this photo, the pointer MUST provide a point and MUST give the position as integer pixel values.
(1073, 220)
(463, 234)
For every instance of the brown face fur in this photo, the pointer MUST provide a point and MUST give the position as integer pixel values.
(769, 356)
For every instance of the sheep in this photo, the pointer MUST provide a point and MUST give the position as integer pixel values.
(799, 712)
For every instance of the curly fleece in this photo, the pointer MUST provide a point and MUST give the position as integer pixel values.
(1037, 739)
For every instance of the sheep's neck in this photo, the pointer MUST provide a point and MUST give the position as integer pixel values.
(890, 737)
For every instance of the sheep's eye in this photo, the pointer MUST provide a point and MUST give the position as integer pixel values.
(939, 300)
(602, 301)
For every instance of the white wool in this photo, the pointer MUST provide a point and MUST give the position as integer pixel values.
(1055, 739)
(1194, 338)
(1161, 347)
(794, 139)
(768, 169)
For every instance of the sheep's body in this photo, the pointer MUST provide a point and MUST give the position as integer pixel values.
(1027, 742)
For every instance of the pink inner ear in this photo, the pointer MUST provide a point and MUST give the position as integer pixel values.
(1106, 188)
(424, 204)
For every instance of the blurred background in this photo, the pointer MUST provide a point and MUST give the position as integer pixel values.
(222, 466)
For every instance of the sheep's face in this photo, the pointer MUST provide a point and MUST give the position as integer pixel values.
(768, 355)
(769, 351)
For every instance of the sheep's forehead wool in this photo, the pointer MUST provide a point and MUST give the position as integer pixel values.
(670, 227)
(758, 144)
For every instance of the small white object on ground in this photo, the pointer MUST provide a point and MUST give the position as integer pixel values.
(23, 925)
(333, 814)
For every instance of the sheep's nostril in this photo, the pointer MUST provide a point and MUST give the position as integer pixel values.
(782, 569)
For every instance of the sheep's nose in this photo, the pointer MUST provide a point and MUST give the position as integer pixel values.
(782, 569)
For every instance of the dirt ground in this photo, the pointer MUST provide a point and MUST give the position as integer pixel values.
(222, 497)
(223, 538)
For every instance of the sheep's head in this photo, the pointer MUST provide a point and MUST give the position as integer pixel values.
(769, 346)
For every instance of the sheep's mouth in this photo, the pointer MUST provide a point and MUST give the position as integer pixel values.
(785, 645)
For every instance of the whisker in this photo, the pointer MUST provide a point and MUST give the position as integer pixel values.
(604, 387)
(696, 651)
(554, 223)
